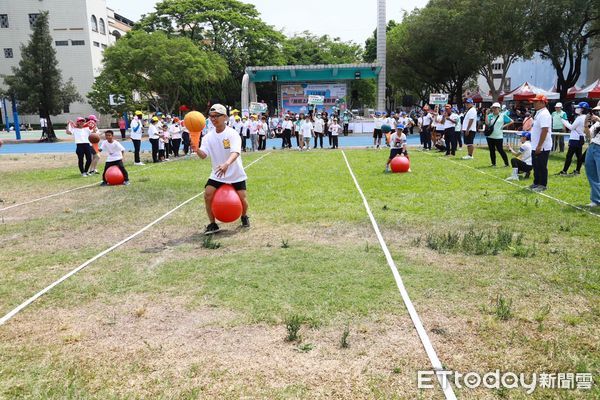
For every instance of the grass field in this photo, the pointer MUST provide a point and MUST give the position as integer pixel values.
(303, 305)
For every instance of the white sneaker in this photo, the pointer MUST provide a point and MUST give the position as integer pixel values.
(84, 174)
(512, 178)
(593, 204)
(139, 163)
(467, 157)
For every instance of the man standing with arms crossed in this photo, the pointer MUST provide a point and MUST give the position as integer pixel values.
(469, 128)
(541, 143)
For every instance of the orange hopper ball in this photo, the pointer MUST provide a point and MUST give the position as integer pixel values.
(195, 121)
(94, 138)
(400, 164)
(114, 176)
(226, 204)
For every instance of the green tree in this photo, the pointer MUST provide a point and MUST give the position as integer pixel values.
(37, 82)
(370, 53)
(228, 27)
(307, 49)
(504, 37)
(164, 71)
(562, 31)
(431, 46)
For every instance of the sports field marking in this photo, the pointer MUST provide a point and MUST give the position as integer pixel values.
(36, 296)
(66, 191)
(414, 316)
(523, 187)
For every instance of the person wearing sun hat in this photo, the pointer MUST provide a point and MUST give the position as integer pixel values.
(576, 137)
(154, 134)
(558, 142)
(541, 142)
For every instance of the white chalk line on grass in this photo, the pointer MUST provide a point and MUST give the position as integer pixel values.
(36, 296)
(414, 316)
(524, 187)
(68, 191)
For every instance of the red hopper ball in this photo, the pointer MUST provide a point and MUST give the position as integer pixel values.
(114, 176)
(400, 164)
(226, 204)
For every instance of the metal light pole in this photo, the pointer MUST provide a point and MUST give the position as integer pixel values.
(381, 54)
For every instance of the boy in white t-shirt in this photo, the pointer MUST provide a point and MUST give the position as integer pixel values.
(335, 130)
(398, 146)
(223, 145)
(114, 156)
(522, 163)
(307, 131)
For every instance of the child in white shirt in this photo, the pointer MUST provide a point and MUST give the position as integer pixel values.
(114, 156)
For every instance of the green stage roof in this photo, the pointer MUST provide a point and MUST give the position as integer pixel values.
(299, 73)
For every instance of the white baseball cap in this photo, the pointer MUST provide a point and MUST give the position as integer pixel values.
(558, 105)
(219, 108)
(496, 105)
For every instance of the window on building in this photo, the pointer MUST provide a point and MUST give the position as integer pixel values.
(77, 43)
(103, 46)
(94, 23)
(116, 34)
(3, 20)
(32, 19)
(102, 27)
(61, 42)
(96, 44)
(8, 53)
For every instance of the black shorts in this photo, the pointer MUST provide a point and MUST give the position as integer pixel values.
(469, 137)
(396, 152)
(216, 184)
(377, 134)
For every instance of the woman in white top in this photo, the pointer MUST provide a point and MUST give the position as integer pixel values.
(334, 129)
(263, 130)
(154, 138)
(81, 134)
(577, 137)
(318, 128)
(137, 129)
(175, 132)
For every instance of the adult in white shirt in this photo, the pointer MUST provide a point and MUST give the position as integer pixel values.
(449, 123)
(136, 129)
(425, 128)
(522, 163)
(44, 126)
(287, 126)
(175, 133)
(224, 146)
(262, 131)
(469, 128)
(154, 134)
(592, 159)
(541, 143)
(318, 129)
(306, 130)
(576, 137)
(81, 134)
(238, 126)
(245, 132)
(254, 132)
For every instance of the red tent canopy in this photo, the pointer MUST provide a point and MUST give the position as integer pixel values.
(527, 91)
(590, 92)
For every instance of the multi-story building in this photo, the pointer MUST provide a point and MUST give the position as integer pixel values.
(80, 29)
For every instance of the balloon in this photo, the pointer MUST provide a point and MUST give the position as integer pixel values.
(94, 138)
(226, 204)
(400, 164)
(114, 176)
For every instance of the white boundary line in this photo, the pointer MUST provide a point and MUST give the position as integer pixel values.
(414, 316)
(33, 298)
(522, 187)
(64, 192)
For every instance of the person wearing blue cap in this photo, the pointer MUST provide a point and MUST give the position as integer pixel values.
(398, 146)
(577, 137)
(522, 163)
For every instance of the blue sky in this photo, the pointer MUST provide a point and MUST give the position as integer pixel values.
(348, 19)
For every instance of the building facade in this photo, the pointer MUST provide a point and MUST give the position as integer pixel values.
(80, 29)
